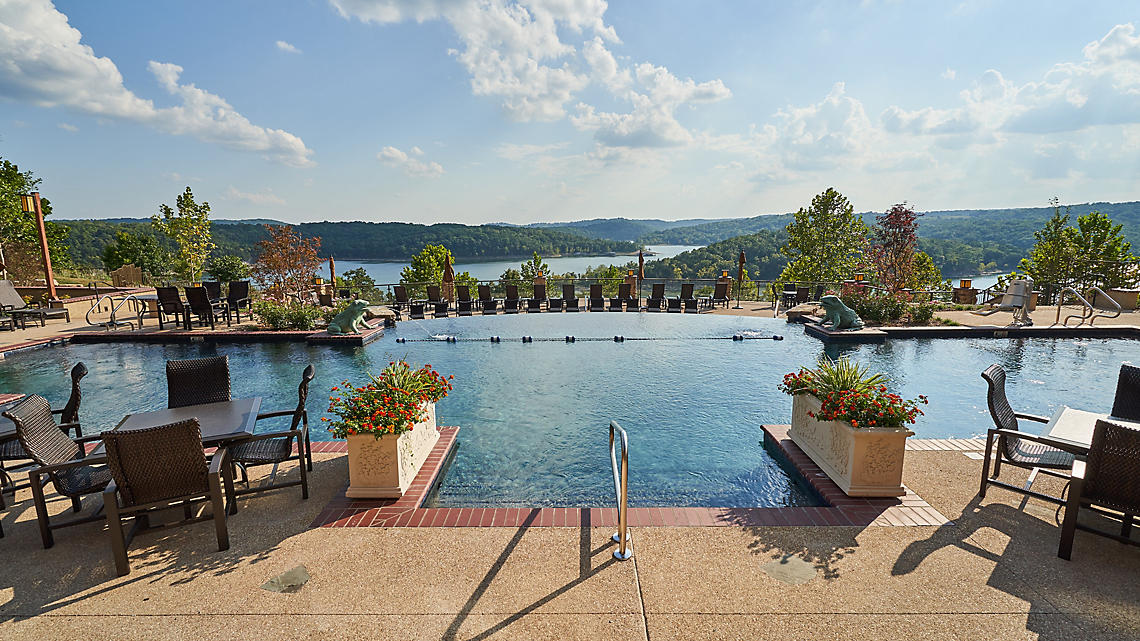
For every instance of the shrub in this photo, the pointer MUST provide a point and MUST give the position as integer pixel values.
(391, 403)
(921, 314)
(227, 268)
(849, 393)
(282, 316)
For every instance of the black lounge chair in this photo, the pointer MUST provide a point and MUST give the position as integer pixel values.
(1105, 483)
(197, 381)
(555, 304)
(438, 303)
(170, 304)
(15, 306)
(463, 306)
(534, 303)
(719, 297)
(597, 301)
(1033, 452)
(416, 310)
(213, 290)
(512, 302)
(623, 298)
(656, 298)
(207, 311)
(274, 448)
(401, 295)
(789, 295)
(238, 297)
(12, 450)
(685, 299)
(569, 298)
(488, 304)
(157, 468)
(63, 460)
(1126, 404)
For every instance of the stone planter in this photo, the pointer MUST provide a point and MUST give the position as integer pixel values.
(381, 468)
(862, 462)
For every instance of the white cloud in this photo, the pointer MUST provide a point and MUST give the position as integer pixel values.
(949, 74)
(265, 197)
(412, 166)
(286, 47)
(66, 126)
(45, 64)
(517, 152)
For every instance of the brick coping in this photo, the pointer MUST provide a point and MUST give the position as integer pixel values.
(842, 510)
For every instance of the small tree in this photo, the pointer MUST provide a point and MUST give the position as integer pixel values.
(19, 237)
(189, 227)
(1102, 249)
(533, 267)
(142, 250)
(895, 240)
(1052, 257)
(429, 265)
(286, 261)
(228, 268)
(825, 241)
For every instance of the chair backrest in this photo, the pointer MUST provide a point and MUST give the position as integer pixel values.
(1000, 410)
(168, 299)
(484, 292)
(686, 290)
(198, 300)
(157, 463)
(195, 381)
(540, 291)
(1017, 294)
(658, 291)
(1127, 402)
(239, 289)
(721, 290)
(39, 434)
(568, 291)
(401, 293)
(9, 297)
(512, 292)
(433, 293)
(303, 394)
(213, 289)
(1113, 467)
(70, 412)
(596, 290)
(623, 290)
(463, 292)
(790, 288)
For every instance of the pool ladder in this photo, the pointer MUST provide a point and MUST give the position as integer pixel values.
(1088, 312)
(114, 322)
(621, 486)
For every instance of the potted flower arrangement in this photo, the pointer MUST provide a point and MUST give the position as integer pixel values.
(844, 418)
(389, 423)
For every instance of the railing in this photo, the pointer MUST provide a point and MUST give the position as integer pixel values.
(1088, 312)
(113, 321)
(621, 486)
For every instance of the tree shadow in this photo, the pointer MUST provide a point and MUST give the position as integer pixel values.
(823, 552)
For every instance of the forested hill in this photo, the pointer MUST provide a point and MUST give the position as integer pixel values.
(367, 241)
(621, 228)
(974, 226)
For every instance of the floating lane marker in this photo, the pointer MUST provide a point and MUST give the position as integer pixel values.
(574, 339)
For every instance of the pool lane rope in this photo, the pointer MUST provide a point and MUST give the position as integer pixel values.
(575, 339)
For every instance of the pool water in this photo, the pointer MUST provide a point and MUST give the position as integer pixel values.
(534, 416)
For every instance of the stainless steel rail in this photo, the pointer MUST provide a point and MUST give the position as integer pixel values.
(621, 485)
(1088, 312)
(113, 321)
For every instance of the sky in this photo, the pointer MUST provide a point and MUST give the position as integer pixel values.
(478, 111)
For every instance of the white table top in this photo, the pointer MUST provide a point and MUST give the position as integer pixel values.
(1076, 426)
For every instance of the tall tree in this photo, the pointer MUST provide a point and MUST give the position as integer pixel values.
(1053, 255)
(19, 237)
(895, 240)
(1102, 250)
(286, 262)
(825, 241)
(189, 227)
(428, 267)
(141, 250)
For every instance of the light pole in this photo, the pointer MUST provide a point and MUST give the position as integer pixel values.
(30, 203)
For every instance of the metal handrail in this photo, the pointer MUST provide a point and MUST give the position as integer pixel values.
(621, 486)
(1089, 312)
(113, 322)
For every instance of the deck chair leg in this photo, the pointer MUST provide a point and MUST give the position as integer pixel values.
(76, 504)
(304, 474)
(1028, 486)
(219, 507)
(986, 464)
(1069, 525)
(41, 510)
(231, 496)
(1126, 525)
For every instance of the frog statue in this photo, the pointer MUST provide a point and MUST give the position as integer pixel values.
(838, 315)
(351, 320)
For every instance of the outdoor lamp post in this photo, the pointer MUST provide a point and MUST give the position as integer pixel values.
(30, 204)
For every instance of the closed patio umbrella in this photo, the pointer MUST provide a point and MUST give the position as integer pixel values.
(739, 279)
(448, 281)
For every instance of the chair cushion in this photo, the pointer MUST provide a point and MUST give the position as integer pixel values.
(82, 480)
(270, 450)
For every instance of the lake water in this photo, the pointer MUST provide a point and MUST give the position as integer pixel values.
(389, 272)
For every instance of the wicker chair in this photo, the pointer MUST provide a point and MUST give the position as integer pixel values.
(1106, 484)
(624, 298)
(170, 304)
(1126, 405)
(197, 381)
(274, 448)
(656, 297)
(512, 303)
(11, 450)
(570, 298)
(463, 305)
(487, 303)
(238, 297)
(597, 301)
(61, 459)
(208, 311)
(534, 303)
(1021, 449)
(213, 289)
(157, 467)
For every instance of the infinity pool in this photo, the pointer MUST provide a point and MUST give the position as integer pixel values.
(534, 416)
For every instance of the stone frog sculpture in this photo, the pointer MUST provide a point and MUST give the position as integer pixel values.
(351, 320)
(838, 315)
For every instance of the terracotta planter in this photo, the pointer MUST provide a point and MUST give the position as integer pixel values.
(381, 468)
(862, 462)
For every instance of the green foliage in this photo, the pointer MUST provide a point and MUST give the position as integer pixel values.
(190, 229)
(19, 236)
(924, 273)
(227, 268)
(533, 267)
(1101, 247)
(142, 250)
(843, 375)
(282, 316)
(1051, 259)
(921, 313)
(1095, 247)
(360, 283)
(762, 252)
(825, 241)
(874, 306)
(428, 266)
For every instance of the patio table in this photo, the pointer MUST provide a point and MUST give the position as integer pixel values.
(1076, 426)
(220, 422)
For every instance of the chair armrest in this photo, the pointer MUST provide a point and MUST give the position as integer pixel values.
(1032, 417)
(1066, 446)
(66, 427)
(89, 438)
(220, 457)
(59, 467)
(270, 435)
(276, 414)
(1078, 471)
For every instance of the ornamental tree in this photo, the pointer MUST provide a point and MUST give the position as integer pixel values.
(429, 265)
(1102, 249)
(1052, 257)
(142, 250)
(825, 241)
(189, 227)
(286, 261)
(895, 241)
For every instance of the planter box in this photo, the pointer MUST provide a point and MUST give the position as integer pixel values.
(382, 468)
(862, 462)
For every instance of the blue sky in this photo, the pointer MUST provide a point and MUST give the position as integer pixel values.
(486, 111)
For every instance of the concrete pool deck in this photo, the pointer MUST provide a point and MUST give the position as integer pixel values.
(992, 573)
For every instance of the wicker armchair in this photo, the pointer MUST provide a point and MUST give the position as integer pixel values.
(238, 297)
(274, 448)
(1106, 484)
(197, 381)
(61, 459)
(1126, 405)
(656, 297)
(11, 450)
(208, 311)
(1034, 452)
(213, 289)
(170, 304)
(157, 467)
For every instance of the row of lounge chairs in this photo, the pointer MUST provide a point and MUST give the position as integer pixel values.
(15, 311)
(205, 302)
(487, 304)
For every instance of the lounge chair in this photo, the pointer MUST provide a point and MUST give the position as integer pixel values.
(789, 296)
(1017, 300)
(597, 301)
(623, 298)
(512, 302)
(1126, 404)
(274, 448)
(1105, 483)
(556, 304)
(12, 450)
(156, 468)
(686, 299)
(199, 303)
(401, 295)
(62, 459)
(170, 304)
(15, 306)
(238, 297)
(719, 297)
(197, 381)
(1029, 451)
(569, 298)
(489, 304)
(463, 306)
(656, 298)
(440, 306)
(534, 303)
(213, 290)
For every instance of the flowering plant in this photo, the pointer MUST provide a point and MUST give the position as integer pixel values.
(848, 393)
(391, 403)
